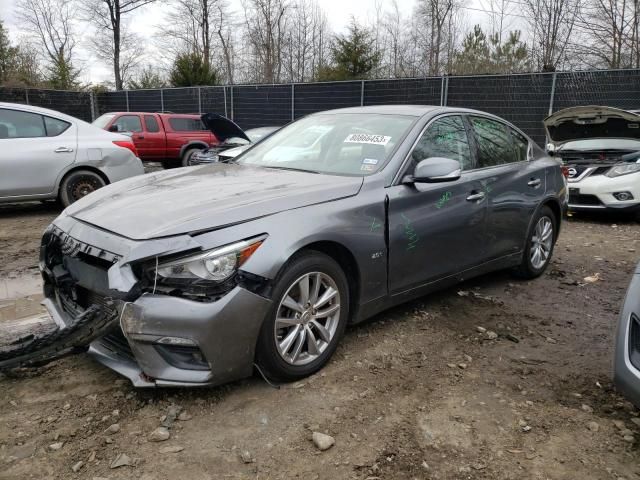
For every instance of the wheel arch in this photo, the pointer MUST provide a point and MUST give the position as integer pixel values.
(195, 144)
(77, 168)
(345, 259)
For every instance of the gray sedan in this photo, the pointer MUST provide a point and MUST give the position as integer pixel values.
(210, 270)
(627, 355)
(46, 155)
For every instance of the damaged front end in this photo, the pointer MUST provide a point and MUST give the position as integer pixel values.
(175, 318)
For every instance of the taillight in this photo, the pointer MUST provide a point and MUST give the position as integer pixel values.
(565, 172)
(125, 144)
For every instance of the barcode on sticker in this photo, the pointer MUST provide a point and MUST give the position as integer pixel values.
(366, 138)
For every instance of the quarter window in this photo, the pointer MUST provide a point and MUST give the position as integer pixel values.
(17, 124)
(186, 124)
(151, 123)
(55, 126)
(494, 142)
(446, 137)
(129, 123)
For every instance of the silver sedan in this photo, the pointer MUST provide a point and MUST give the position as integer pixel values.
(46, 155)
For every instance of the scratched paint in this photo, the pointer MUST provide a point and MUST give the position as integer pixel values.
(443, 200)
(410, 233)
(375, 224)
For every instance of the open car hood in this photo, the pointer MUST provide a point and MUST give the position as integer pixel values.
(222, 127)
(591, 122)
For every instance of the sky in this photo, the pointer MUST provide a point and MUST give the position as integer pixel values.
(339, 12)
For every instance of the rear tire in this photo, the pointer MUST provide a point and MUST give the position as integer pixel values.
(302, 330)
(541, 240)
(79, 184)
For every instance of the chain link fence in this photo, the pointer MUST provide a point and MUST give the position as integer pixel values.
(523, 99)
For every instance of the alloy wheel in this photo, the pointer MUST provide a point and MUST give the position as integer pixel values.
(541, 243)
(307, 318)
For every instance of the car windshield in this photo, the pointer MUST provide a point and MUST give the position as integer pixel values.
(342, 144)
(103, 121)
(601, 144)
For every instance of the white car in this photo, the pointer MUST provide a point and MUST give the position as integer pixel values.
(46, 155)
(600, 148)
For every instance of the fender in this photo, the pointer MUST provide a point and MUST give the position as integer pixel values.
(550, 198)
(193, 144)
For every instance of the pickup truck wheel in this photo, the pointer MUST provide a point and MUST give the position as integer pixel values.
(186, 157)
(79, 184)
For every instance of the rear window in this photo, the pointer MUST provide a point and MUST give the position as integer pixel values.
(186, 124)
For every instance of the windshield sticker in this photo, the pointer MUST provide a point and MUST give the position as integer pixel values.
(367, 168)
(365, 138)
(370, 161)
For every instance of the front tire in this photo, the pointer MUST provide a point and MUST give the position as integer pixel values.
(186, 157)
(307, 319)
(541, 240)
(79, 184)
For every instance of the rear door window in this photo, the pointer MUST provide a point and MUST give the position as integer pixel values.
(186, 124)
(494, 142)
(129, 123)
(151, 124)
(446, 137)
(521, 145)
(17, 124)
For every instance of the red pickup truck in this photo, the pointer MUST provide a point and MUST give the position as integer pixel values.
(169, 138)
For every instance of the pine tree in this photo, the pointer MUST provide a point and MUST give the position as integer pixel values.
(353, 55)
(190, 69)
(8, 55)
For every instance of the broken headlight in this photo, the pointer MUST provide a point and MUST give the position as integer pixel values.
(205, 276)
(623, 169)
(215, 265)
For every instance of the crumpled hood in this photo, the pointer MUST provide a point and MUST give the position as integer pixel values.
(194, 199)
(581, 123)
(222, 127)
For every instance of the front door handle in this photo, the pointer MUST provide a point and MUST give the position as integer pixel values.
(63, 150)
(476, 197)
(534, 182)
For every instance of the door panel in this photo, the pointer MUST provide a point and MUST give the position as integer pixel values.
(151, 143)
(513, 183)
(437, 229)
(30, 162)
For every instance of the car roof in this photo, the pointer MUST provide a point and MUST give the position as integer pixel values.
(162, 114)
(40, 110)
(411, 110)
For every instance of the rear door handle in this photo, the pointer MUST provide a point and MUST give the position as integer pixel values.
(534, 182)
(63, 150)
(476, 197)
(140, 137)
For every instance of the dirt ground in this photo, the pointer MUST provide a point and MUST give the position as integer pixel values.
(418, 392)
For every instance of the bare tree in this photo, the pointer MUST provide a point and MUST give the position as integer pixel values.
(201, 27)
(266, 24)
(607, 28)
(108, 17)
(130, 52)
(552, 24)
(50, 25)
(437, 32)
(306, 41)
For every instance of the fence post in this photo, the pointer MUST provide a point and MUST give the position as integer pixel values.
(93, 106)
(232, 102)
(293, 102)
(362, 94)
(224, 91)
(446, 91)
(199, 101)
(26, 95)
(553, 92)
(442, 91)
(126, 94)
(162, 99)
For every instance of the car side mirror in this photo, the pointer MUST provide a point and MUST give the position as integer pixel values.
(435, 170)
(114, 128)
